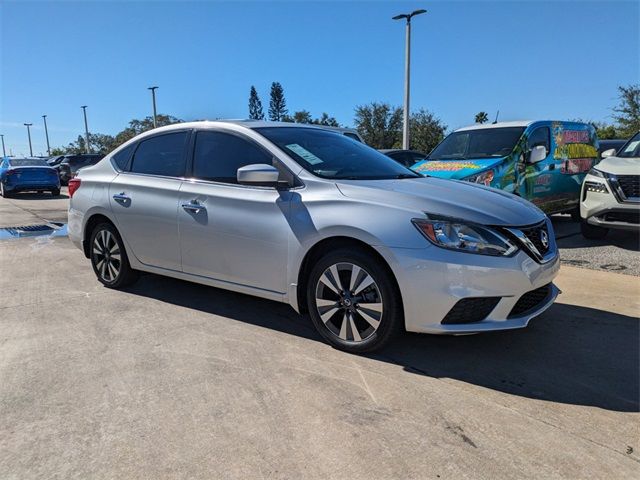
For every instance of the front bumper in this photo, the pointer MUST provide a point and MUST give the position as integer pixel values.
(432, 281)
(603, 209)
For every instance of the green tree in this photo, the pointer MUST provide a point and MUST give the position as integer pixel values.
(301, 116)
(627, 113)
(326, 120)
(255, 105)
(136, 127)
(277, 104)
(425, 131)
(482, 117)
(379, 124)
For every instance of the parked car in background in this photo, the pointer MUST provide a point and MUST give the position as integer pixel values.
(27, 174)
(408, 158)
(70, 164)
(352, 133)
(542, 161)
(55, 160)
(611, 192)
(606, 145)
(299, 215)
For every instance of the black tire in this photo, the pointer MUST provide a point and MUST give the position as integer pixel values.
(3, 192)
(125, 275)
(592, 232)
(55, 192)
(383, 293)
(575, 214)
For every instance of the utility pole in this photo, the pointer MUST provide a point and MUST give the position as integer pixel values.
(407, 76)
(86, 128)
(28, 125)
(46, 132)
(153, 98)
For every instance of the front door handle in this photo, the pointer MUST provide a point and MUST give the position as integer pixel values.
(194, 207)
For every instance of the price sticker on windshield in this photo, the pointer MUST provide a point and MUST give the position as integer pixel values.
(304, 154)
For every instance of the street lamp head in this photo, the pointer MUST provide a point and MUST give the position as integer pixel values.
(28, 124)
(83, 106)
(399, 17)
(418, 12)
(152, 88)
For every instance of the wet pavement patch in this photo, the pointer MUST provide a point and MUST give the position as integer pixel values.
(50, 229)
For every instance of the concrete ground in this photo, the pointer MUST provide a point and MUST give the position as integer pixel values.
(175, 380)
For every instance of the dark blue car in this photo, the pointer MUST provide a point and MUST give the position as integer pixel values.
(27, 174)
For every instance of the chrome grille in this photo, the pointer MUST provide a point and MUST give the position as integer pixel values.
(630, 185)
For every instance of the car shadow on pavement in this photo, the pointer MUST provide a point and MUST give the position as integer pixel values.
(38, 196)
(570, 354)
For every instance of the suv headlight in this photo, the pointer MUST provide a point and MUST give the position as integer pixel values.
(597, 173)
(485, 178)
(458, 235)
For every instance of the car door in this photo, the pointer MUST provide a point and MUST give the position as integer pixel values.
(230, 232)
(144, 199)
(537, 181)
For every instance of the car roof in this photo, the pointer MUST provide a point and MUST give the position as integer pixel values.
(247, 123)
(395, 150)
(482, 126)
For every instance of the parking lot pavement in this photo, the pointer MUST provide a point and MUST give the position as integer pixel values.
(175, 380)
(618, 252)
(33, 208)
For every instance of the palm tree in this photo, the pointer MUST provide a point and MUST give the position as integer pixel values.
(482, 117)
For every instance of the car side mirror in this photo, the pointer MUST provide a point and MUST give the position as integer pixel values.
(537, 154)
(259, 174)
(608, 153)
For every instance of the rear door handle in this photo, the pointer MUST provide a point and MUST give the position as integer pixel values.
(121, 197)
(194, 207)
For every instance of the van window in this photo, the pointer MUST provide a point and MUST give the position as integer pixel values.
(218, 156)
(540, 136)
(477, 143)
(161, 155)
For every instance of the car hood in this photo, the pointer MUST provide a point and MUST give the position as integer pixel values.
(620, 166)
(456, 169)
(462, 200)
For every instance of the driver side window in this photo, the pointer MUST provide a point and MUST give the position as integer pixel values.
(540, 136)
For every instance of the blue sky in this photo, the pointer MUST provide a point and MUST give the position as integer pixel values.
(528, 59)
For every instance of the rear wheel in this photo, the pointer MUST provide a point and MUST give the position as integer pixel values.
(353, 301)
(592, 232)
(109, 258)
(3, 192)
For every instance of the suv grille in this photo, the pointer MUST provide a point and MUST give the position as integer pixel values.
(530, 301)
(470, 310)
(536, 235)
(630, 185)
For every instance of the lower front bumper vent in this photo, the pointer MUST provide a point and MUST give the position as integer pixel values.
(530, 301)
(471, 310)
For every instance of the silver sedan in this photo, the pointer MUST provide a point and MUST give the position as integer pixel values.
(308, 217)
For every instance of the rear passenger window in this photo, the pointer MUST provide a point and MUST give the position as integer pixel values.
(161, 155)
(540, 136)
(121, 158)
(218, 156)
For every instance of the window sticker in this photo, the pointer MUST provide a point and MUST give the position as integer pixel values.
(632, 146)
(304, 153)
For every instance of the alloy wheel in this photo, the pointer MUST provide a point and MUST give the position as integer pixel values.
(349, 302)
(106, 254)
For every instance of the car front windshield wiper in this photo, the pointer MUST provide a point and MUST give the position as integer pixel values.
(407, 175)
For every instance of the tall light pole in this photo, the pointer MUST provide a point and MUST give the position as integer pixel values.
(86, 128)
(4, 152)
(153, 98)
(407, 64)
(46, 132)
(28, 125)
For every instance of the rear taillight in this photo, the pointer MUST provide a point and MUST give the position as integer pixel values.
(74, 184)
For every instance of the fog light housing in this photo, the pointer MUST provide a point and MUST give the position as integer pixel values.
(596, 187)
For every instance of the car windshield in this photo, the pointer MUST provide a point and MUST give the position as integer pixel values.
(28, 162)
(631, 148)
(332, 155)
(480, 143)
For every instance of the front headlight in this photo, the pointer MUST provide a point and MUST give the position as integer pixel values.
(485, 178)
(597, 173)
(465, 237)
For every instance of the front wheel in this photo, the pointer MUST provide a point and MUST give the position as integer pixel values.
(109, 258)
(592, 232)
(353, 302)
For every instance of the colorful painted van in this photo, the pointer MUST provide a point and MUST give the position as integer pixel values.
(543, 161)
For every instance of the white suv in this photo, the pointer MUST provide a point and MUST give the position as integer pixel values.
(610, 196)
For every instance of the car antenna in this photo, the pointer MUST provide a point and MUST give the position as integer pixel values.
(496, 120)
